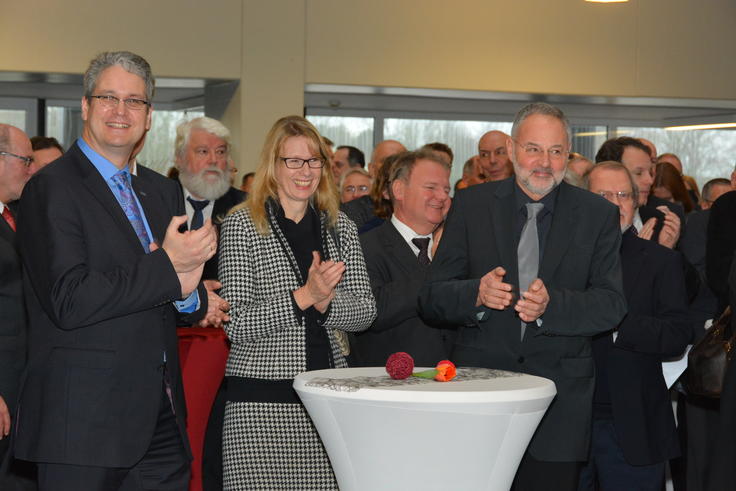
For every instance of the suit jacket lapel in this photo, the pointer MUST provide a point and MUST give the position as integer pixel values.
(503, 211)
(6, 232)
(101, 191)
(152, 207)
(396, 247)
(558, 240)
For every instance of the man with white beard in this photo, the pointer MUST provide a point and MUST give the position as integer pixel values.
(202, 151)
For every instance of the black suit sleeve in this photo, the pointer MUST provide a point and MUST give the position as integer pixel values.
(448, 276)
(668, 331)
(720, 246)
(53, 239)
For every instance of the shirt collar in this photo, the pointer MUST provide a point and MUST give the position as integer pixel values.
(106, 168)
(548, 200)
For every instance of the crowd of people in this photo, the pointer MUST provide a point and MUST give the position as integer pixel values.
(588, 272)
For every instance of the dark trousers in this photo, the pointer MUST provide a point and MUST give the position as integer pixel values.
(607, 470)
(164, 467)
(538, 475)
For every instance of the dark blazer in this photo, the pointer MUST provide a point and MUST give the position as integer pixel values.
(396, 277)
(692, 245)
(220, 208)
(656, 327)
(582, 272)
(100, 316)
(12, 326)
(720, 246)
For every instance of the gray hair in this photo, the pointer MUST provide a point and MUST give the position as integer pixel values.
(405, 162)
(4, 137)
(617, 166)
(212, 126)
(350, 172)
(708, 186)
(544, 109)
(130, 62)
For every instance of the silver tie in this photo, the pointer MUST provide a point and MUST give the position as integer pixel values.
(528, 252)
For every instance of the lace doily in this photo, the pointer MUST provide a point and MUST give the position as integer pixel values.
(352, 384)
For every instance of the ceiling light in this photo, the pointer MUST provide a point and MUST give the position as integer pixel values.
(606, 1)
(712, 126)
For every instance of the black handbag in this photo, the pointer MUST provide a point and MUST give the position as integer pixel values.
(708, 359)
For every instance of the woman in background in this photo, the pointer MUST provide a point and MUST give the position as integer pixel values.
(668, 185)
(292, 269)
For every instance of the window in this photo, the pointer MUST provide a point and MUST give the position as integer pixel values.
(343, 130)
(705, 154)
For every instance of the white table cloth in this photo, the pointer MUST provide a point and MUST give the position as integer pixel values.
(423, 435)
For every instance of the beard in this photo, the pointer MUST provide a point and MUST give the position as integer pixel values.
(206, 186)
(539, 190)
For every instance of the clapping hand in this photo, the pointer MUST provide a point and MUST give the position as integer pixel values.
(319, 290)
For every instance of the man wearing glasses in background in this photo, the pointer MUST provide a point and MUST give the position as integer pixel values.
(633, 426)
(529, 267)
(16, 167)
(106, 274)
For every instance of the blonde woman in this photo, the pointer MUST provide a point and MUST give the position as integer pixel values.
(293, 272)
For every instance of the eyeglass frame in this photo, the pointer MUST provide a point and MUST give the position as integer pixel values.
(107, 100)
(304, 161)
(27, 161)
(542, 151)
(621, 196)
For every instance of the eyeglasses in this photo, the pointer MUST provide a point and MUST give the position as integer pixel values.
(532, 150)
(352, 189)
(27, 161)
(110, 101)
(620, 196)
(295, 163)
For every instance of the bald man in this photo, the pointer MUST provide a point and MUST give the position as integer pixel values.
(16, 167)
(493, 158)
(380, 152)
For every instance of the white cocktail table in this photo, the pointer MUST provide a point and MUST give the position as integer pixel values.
(467, 434)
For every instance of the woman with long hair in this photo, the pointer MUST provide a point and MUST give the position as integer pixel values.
(668, 185)
(292, 269)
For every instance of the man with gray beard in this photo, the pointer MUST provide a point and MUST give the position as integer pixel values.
(202, 151)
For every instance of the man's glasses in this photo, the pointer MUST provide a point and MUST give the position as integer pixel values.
(110, 101)
(352, 189)
(295, 163)
(621, 196)
(27, 161)
(532, 150)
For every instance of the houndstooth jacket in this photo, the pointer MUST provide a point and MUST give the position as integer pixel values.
(258, 273)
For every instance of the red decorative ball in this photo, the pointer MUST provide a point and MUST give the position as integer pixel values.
(400, 365)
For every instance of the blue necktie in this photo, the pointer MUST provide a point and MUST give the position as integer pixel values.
(130, 207)
(198, 217)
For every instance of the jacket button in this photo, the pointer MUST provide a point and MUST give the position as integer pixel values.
(520, 359)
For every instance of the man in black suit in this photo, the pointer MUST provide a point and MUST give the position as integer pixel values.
(16, 158)
(575, 291)
(202, 151)
(397, 256)
(105, 271)
(634, 432)
(654, 218)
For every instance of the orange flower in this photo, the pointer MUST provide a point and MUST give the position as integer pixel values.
(445, 371)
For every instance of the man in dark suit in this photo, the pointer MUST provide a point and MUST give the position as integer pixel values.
(634, 432)
(397, 256)
(572, 271)
(202, 151)
(105, 272)
(16, 158)
(654, 218)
